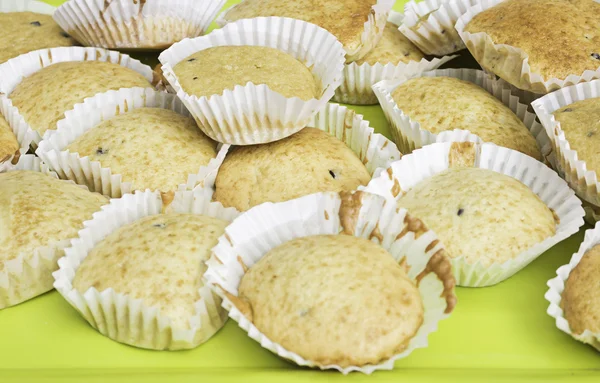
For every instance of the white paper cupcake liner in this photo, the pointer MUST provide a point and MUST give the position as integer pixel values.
(29, 274)
(373, 149)
(408, 133)
(90, 113)
(433, 159)
(570, 167)
(255, 114)
(511, 63)
(133, 24)
(373, 28)
(356, 87)
(14, 70)
(26, 6)
(122, 317)
(557, 286)
(269, 225)
(430, 25)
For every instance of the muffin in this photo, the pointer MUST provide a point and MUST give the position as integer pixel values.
(581, 297)
(27, 31)
(8, 141)
(392, 48)
(530, 25)
(441, 104)
(580, 123)
(150, 147)
(39, 214)
(231, 66)
(159, 260)
(307, 162)
(313, 296)
(473, 210)
(346, 19)
(43, 97)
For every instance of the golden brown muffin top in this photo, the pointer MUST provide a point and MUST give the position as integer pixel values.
(345, 19)
(581, 297)
(44, 97)
(159, 259)
(8, 141)
(581, 123)
(152, 148)
(447, 103)
(333, 299)
(24, 32)
(393, 48)
(307, 162)
(238, 65)
(561, 37)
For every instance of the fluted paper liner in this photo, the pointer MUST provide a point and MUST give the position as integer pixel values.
(573, 169)
(409, 135)
(14, 70)
(253, 113)
(552, 190)
(269, 225)
(373, 149)
(373, 28)
(509, 62)
(29, 274)
(356, 87)
(430, 25)
(122, 317)
(26, 6)
(557, 286)
(133, 24)
(90, 113)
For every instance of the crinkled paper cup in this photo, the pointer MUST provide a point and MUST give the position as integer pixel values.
(373, 149)
(26, 6)
(430, 25)
(373, 28)
(134, 24)
(557, 286)
(253, 113)
(92, 112)
(269, 225)
(424, 163)
(126, 319)
(356, 87)
(508, 62)
(29, 274)
(409, 135)
(573, 169)
(14, 70)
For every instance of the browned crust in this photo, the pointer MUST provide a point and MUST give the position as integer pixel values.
(240, 303)
(462, 155)
(440, 265)
(351, 203)
(167, 199)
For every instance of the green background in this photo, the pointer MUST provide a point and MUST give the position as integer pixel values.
(499, 333)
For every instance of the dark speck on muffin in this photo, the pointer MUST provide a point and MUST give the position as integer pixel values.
(568, 110)
(65, 34)
(460, 212)
(596, 56)
(101, 151)
(36, 23)
(332, 174)
(190, 60)
(160, 225)
(591, 133)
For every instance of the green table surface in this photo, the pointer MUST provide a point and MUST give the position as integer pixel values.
(499, 333)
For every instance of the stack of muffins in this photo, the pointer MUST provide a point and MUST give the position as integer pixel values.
(227, 184)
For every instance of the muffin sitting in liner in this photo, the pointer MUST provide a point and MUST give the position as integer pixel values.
(8, 142)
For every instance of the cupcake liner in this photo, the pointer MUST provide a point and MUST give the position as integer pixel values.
(356, 87)
(269, 225)
(122, 317)
(29, 275)
(409, 135)
(255, 114)
(570, 167)
(433, 159)
(374, 150)
(373, 28)
(90, 113)
(14, 70)
(430, 25)
(510, 63)
(26, 6)
(557, 285)
(151, 25)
